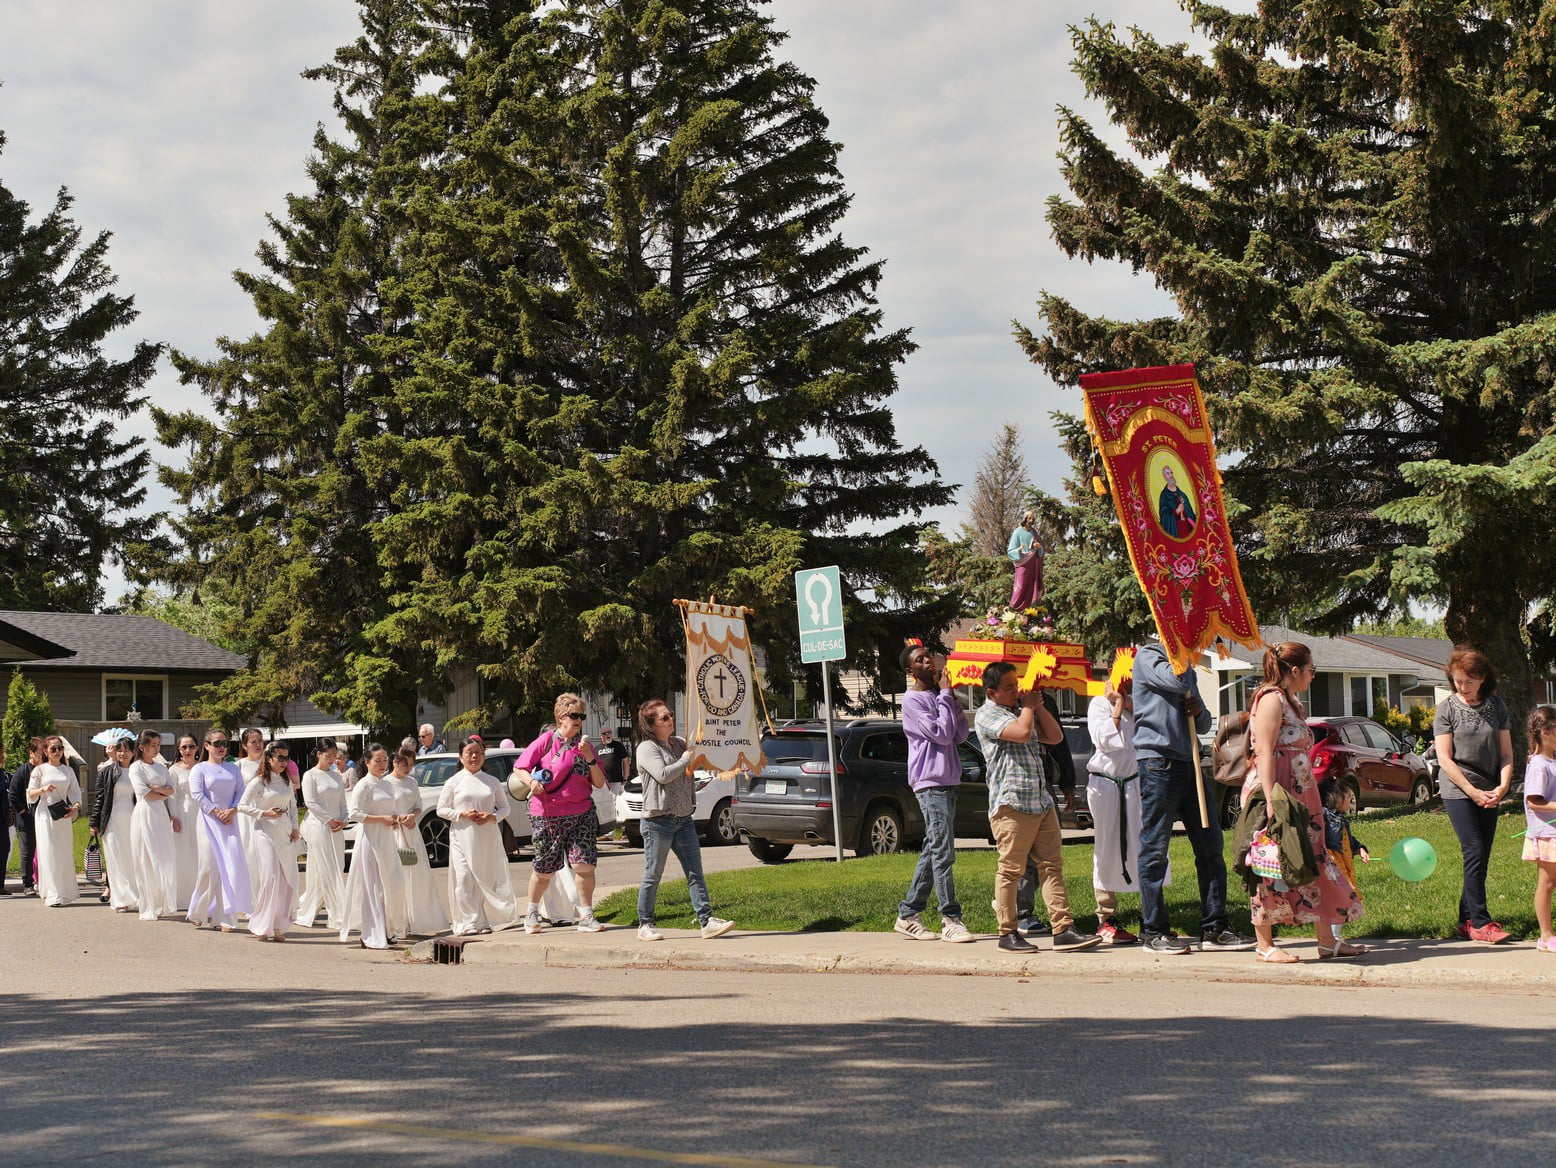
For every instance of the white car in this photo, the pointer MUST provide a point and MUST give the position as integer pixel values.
(713, 814)
(433, 770)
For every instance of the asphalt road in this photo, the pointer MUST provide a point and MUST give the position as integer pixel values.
(138, 1043)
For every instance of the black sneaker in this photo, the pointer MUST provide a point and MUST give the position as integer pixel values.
(1016, 943)
(1073, 940)
(1160, 943)
(1031, 927)
(1225, 940)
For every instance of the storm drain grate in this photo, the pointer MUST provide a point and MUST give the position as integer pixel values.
(448, 950)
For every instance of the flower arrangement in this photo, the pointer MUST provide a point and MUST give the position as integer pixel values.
(1010, 624)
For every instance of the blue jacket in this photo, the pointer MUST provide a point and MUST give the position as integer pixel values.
(1161, 730)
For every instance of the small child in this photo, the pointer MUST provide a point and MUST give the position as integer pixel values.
(1339, 840)
(1540, 811)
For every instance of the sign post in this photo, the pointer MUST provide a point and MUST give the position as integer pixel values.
(818, 596)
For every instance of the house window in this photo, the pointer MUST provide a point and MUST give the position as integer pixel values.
(1366, 691)
(147, 695)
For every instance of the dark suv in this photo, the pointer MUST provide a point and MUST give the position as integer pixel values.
(790, 802)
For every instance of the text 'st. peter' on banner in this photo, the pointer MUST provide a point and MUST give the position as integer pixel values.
(721, 697)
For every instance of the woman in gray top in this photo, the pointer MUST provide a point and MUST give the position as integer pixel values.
(1475, 760)
(669, 798)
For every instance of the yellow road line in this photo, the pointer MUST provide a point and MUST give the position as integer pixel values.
(710, 1159)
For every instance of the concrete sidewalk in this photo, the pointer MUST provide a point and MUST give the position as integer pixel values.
(1515, 966)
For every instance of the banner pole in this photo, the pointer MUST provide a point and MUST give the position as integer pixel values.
(1199, 778)
(837, 799)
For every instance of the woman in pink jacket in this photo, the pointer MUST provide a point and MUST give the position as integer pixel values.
(560, 770)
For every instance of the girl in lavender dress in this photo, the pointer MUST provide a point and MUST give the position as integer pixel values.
(222, 885)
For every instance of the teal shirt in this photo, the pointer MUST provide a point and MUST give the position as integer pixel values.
(1022, 542)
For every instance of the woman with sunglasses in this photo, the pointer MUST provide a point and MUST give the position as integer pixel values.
(189, 839)
(222, 885)
(250, 759)
(153, 827)
(324, 794)
(560, 772)
(52, 783)
(424, 911)
(269, 802)
(110, 824)
(480, 894)
(375, 893)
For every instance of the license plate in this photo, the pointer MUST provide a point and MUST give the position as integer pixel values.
(775, 786)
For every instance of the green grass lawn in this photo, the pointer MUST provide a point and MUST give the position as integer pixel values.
(862, 895)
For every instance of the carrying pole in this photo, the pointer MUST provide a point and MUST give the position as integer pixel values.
(1199, 778)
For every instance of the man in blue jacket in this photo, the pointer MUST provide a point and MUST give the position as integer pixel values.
(1165, 702)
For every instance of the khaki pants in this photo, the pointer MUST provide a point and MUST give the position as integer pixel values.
(1020, 837)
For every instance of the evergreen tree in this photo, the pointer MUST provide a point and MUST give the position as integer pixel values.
(1352, 211)
(69, 477)
(283, 488)
(27, 715)
(998, 494)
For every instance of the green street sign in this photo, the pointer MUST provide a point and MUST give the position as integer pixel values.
(819, 597)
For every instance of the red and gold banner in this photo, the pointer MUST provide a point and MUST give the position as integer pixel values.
(1057, 664)
(1149, 426)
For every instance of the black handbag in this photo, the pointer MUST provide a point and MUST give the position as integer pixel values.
(59, 810)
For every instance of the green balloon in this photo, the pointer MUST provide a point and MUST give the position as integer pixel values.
(1413, 859)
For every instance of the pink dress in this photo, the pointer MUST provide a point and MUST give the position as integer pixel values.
(1329, 898)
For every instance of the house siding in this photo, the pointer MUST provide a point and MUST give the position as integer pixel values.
(78, 697)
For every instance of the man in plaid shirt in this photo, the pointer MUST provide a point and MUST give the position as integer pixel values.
(1022, 815)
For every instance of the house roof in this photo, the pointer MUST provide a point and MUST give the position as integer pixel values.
(113, 642)
(1336, 654)
(1425, 650)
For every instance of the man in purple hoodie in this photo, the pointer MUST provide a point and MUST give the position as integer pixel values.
(935, 724)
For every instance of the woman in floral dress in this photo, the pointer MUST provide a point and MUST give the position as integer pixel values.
(1281, 742)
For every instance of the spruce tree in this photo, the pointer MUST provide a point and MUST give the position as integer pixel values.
(1350, 205)
(69, 476)
(281, 485)
(27, 715)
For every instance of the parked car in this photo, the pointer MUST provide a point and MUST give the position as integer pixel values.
(1375, 766)
(433, 770)
(713, 815)
(790, 802)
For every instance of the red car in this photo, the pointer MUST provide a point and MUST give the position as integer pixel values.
(1369, 760)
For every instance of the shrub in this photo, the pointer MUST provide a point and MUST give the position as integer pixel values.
(27, 715)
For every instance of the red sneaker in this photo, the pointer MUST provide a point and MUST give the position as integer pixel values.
(1464, 930)
(1489, 934)
(1115, 934)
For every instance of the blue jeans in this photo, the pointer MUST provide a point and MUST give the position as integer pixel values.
(1166, 794)
(662, 835)
(939, 854)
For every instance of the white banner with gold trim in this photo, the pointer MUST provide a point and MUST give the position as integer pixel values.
(721, 689)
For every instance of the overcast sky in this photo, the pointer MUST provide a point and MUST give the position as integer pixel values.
(178, 125)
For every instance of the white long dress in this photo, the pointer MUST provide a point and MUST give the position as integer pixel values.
(56, 837)
(222, 886)
(375, 888)
(186, 841)
(1113, 794)
(247, 769)
(324, 794)
(480, 893)
(151, 842)
(272, 853)
(118, 858)
(424, 911)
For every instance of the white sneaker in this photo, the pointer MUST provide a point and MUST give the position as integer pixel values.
(716, 927)
(952, 929)
(587, 924)
(532, 922)
(913, 929)
(649, 933)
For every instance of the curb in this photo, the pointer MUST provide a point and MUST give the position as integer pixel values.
(1393, 965)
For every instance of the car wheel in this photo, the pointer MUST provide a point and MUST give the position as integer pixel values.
(1231, 807)
(1354, 788)
(434, 833)
(721, 825)
(881, 834)
(769, 853)
(634, 833)
(1421, 791)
